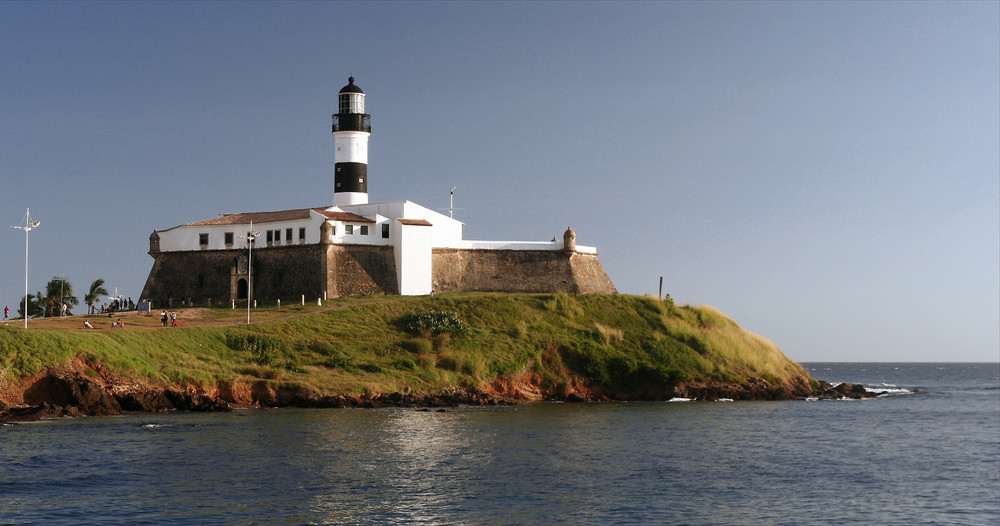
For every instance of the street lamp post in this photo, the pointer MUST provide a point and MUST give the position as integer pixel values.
(251, 236)
(28, 227)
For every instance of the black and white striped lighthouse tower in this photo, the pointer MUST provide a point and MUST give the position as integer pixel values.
(351, 128)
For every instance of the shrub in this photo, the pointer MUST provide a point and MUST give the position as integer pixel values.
(405, 365)
(339, 362)
(293, 367)
(434, 323)
(372, 368)
(324, 348)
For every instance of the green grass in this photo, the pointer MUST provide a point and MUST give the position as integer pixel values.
(624, 343)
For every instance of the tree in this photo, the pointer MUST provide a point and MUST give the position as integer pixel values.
(57, 293)
(96, 291)
(35, 308)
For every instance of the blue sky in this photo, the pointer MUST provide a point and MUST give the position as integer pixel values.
(827, 174)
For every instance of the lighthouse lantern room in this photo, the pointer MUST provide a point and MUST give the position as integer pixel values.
(351, 128)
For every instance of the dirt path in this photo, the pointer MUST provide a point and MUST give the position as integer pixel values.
(186, 317)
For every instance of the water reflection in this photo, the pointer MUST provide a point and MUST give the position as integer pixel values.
(642, 463)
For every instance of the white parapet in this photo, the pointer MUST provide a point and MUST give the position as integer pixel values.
(519, 245)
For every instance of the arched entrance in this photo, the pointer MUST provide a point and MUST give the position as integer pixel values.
(241, 289)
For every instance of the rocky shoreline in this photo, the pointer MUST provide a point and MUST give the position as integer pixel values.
(68, 393)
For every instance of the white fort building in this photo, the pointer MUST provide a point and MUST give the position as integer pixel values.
(355, 247)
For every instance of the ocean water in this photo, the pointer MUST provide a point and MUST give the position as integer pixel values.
(927, 453)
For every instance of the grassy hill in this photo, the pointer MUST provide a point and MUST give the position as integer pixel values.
(526, 346)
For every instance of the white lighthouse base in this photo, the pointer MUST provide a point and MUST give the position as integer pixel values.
(350, 198)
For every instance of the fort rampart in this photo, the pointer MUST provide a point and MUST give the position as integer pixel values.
(289, 272)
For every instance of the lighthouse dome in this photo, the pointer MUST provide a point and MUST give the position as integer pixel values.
(350, 87)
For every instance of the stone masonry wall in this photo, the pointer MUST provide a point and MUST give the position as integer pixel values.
(278, 272)
(288, 272)
(285, 273)
(459, 270)
(362, 270)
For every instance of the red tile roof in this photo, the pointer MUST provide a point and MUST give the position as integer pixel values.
(414, 222)
(344, 216)
(281, 215)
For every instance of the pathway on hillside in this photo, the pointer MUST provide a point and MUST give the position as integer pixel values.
(186, 317)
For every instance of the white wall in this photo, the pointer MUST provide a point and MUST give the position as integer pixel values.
(445, 232)
(521, 245)
(186, 237)
(413, 258)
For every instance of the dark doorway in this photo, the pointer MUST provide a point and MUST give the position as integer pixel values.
(241, 289)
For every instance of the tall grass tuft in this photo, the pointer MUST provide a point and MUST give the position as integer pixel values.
(564, 305)
(609, 335)
(263, 350)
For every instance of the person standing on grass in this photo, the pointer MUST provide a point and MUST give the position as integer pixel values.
(6, 311)
(163, 318)
(173, 319)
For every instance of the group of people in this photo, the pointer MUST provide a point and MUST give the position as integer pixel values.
(119, 304)
(114, 325)
(172, 316)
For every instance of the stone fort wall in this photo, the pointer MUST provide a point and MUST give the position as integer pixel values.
(462, 270)
(288, 272)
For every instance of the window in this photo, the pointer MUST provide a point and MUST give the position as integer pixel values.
(302, 235)
(277, 236)
(270, 236)
(364, 230)
(203, 240)
(288, 235)
(348, 229)
(385, 230)
(352, 103)
(229, 239)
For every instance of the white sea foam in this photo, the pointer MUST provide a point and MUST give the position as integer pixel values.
(679, 399)
(883, 388)
(890, 391)
(724, 400)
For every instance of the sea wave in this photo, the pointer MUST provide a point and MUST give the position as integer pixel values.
(153, 425)
(884, 389)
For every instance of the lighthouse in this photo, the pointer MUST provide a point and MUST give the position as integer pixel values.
(351, 128)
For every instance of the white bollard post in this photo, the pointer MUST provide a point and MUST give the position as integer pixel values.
(234, 303)
(279, 303)
(319, 301)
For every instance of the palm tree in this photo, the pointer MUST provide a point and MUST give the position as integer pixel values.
(59, 292)
(35, 308)
(96, 291)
